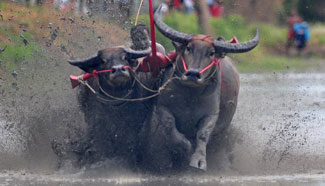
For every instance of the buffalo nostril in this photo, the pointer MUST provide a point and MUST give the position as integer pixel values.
(118, 68)
(194, 74)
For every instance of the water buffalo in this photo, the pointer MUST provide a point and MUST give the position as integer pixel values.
(201, 103)
(113, 125)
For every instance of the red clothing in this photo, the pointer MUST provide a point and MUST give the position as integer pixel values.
(216, 10)
(177, 4)
(291, 34)
(292, 20)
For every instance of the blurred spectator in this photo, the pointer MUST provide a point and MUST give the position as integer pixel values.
(177, 4)
(64, 5)
(216, 8)
(291, 21)
(165, 7)
(189, 6)
(302, 35)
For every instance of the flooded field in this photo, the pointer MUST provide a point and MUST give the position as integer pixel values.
(276, 138)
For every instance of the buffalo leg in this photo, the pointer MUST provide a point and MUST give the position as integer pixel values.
(206, 127)
(164, 139)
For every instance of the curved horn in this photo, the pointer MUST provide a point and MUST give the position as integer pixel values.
(168, 31)
(86, 64)
(134, 54)
(222, 46)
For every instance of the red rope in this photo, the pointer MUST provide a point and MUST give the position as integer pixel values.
(95, 72)
(214, 62)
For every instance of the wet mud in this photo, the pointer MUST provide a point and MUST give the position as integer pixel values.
(276, 137)
(278, 129)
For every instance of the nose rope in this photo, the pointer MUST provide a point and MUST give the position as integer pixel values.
(114, 98)
(95, 72)
(184, 64)
(215, 61)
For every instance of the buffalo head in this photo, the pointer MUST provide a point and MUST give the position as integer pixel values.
(197, 53)
(116, 60)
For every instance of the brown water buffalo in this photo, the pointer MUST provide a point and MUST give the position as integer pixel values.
(113, 125)
(197, 106)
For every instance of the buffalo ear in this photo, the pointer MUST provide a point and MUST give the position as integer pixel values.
(88, 64)
(221, 54)
(178, 46)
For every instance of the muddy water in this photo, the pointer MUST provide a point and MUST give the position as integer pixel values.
(277, 138)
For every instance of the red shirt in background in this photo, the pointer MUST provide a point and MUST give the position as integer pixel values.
(292, 20)
(177, 4)
(216, 10)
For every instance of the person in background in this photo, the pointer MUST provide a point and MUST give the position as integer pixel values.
(215, 7)
(165, 7)
(189, 6)
(177, 4)
(293, 19)
(302, 35)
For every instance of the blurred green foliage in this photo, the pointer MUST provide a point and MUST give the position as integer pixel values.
(227, 27)
(312, 10)
(289, 5)
(2, 5)
(269, 55)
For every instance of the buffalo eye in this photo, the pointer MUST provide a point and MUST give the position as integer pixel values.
(188, 49)
(211, 53)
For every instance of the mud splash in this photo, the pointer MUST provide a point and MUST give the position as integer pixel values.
(280, 133)
(21, 178)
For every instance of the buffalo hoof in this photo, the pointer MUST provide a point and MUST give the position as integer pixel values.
(198, 161)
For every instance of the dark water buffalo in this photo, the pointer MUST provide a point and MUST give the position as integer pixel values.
(113, 125)
(198, 105)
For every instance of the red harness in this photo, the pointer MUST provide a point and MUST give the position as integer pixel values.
(95, 72)
(75, 80)
(213, 62)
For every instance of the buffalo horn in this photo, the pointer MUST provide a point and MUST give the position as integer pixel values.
(168, 31)
(86, 64)
(222, 46)
(134, 54)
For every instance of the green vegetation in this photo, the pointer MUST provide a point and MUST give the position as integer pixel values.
(270, 63)
(228, 27)
(269, 55)
(2, 5)
(312, 10)
(32, 23)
